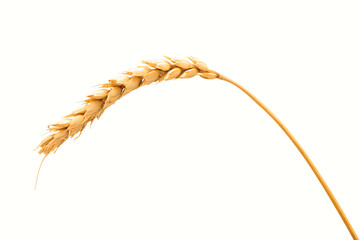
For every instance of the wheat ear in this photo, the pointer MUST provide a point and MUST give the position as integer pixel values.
(156, 71)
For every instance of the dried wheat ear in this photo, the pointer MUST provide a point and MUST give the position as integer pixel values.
(108, 93)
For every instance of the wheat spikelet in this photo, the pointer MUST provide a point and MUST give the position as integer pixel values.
(108, 93)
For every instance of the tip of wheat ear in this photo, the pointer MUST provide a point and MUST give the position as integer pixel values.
(108, 93)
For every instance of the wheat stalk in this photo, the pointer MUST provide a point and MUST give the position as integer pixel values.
(155, 71)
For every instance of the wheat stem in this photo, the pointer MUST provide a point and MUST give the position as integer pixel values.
(303, 153)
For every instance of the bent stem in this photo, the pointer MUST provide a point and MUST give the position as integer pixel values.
(303, 153)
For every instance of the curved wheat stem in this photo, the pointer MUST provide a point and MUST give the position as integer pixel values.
(303, 153)
(156, 71)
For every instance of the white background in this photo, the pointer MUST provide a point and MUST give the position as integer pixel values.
(184, 159)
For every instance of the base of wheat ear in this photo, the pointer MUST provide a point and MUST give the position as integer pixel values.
(155, 71)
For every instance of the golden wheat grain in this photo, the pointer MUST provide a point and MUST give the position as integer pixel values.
(108, 93)
(155, 71)
(114, 89)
